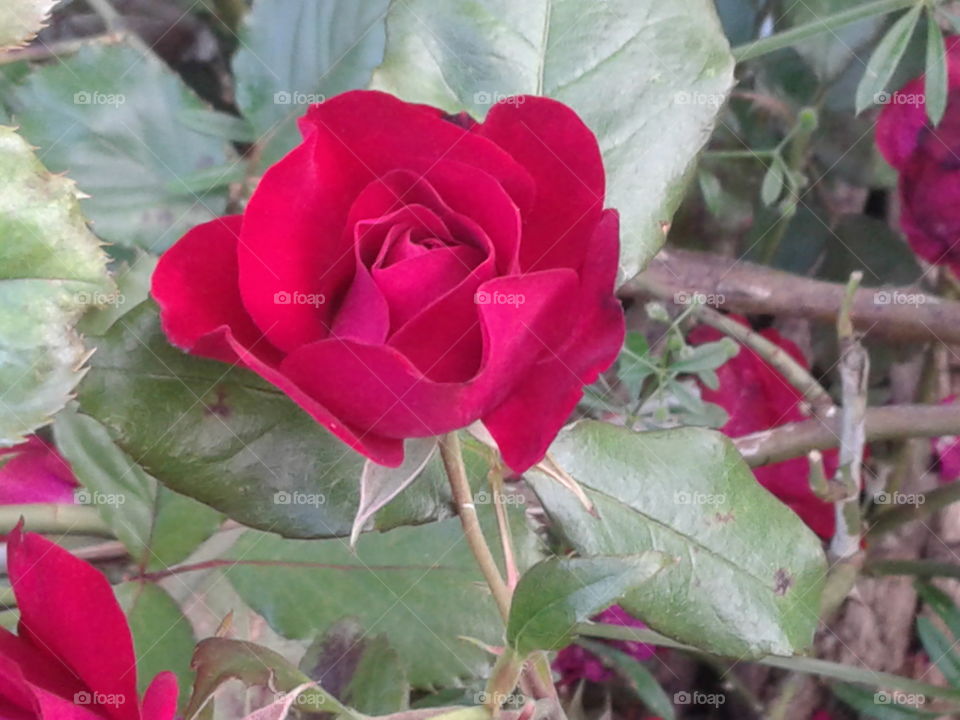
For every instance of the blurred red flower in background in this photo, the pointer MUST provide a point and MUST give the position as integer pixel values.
(928, 160)
(34, 472)
(757, 397)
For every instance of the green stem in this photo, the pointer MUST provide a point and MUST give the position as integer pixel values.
(452, 457)
(806, 665)
(917, 568)
(830, 23)
(794, 372)
(55, 519)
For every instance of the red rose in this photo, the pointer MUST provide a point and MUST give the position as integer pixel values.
(403, 273)
(757, 397)
(926, 159)
(34, 472)
(72, 658)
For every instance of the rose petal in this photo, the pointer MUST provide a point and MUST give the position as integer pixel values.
(384, 450)
(68, 608)
(383, 133)
(562, 156)
(391, 396)
(34, 472)
(293, 242)
(160, 700)
(195, 284)
(528, 421)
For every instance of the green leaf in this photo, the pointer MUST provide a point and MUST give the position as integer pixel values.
(708, 356)
(882, 704)
(419, 587)
(940, 650)
(688, 493)
(363, 671)
(935, 83)
(648, 77)
(51, 270)
(942, 604)
(157, 526)
(20, 20)
(885, 58)
(225, 437)
(162, 636)
(641, 680)
(110, 116)
(217, 660)
(218, 124)
(296, 52)
(556, 594)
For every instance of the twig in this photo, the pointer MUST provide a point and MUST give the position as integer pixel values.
(792, 371)
(463, 500)
(893, 422)
(897, 314)
(828, 23)
(854, 370)
(55, 519)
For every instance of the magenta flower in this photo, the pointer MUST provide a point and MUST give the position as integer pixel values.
(929, 166)
(575, 663)
(947, 451)
(34, 472)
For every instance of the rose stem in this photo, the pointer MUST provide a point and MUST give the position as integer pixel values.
(463, 500)
(503, 523)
